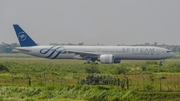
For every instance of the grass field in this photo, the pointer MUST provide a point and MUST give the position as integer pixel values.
(34, 79)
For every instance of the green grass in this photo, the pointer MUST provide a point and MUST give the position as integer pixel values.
(62, 76)
(67, 71)
(93, 93)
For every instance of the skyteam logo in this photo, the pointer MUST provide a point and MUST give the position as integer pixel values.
(22, 36)
(52, 52)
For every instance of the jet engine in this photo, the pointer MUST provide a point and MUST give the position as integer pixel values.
(106, 58)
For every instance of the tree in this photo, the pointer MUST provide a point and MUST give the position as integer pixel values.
(147, 44)
(81, 43)
(7, 48)
(155, 43)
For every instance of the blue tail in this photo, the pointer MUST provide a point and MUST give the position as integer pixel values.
(23, 37)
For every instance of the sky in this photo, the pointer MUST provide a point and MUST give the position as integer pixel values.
(108, 22)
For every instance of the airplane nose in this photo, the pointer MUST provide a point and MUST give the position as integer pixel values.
(171, 54)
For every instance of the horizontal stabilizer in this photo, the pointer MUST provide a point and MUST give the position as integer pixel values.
(21, 49)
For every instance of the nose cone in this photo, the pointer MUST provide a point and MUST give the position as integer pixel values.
(171, 54)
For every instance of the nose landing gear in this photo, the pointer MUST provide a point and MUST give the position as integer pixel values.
(160, 64)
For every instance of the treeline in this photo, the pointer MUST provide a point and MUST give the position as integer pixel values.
(7, 48)
(173, 48)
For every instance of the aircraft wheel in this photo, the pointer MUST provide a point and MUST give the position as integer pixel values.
(160, 64)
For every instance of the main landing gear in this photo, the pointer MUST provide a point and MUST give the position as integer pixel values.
(89, 60)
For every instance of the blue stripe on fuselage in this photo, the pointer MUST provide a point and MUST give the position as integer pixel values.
(54, 50)
(47, 50)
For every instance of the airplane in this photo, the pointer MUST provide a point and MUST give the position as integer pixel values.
(103, 54)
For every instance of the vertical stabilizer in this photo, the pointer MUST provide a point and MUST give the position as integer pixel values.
(23, 37)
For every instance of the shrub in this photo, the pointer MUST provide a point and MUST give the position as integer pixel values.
(151, 62)
(100, 80)
(149, 87)
(143, 68)
(121, 70)
(3, 68)
(92, 68)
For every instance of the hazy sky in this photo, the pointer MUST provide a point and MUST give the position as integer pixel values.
(108, 22)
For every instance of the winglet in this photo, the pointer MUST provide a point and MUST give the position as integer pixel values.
(23, 37)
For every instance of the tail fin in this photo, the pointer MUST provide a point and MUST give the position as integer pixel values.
(23, 37)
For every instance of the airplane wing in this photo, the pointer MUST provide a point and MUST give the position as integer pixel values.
(82, 53)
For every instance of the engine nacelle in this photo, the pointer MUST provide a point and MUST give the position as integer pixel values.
(106, 58)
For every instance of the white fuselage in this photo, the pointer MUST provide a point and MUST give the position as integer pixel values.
(85, 52)
(104, 54)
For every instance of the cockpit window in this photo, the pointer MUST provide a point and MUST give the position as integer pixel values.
(168, 51)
